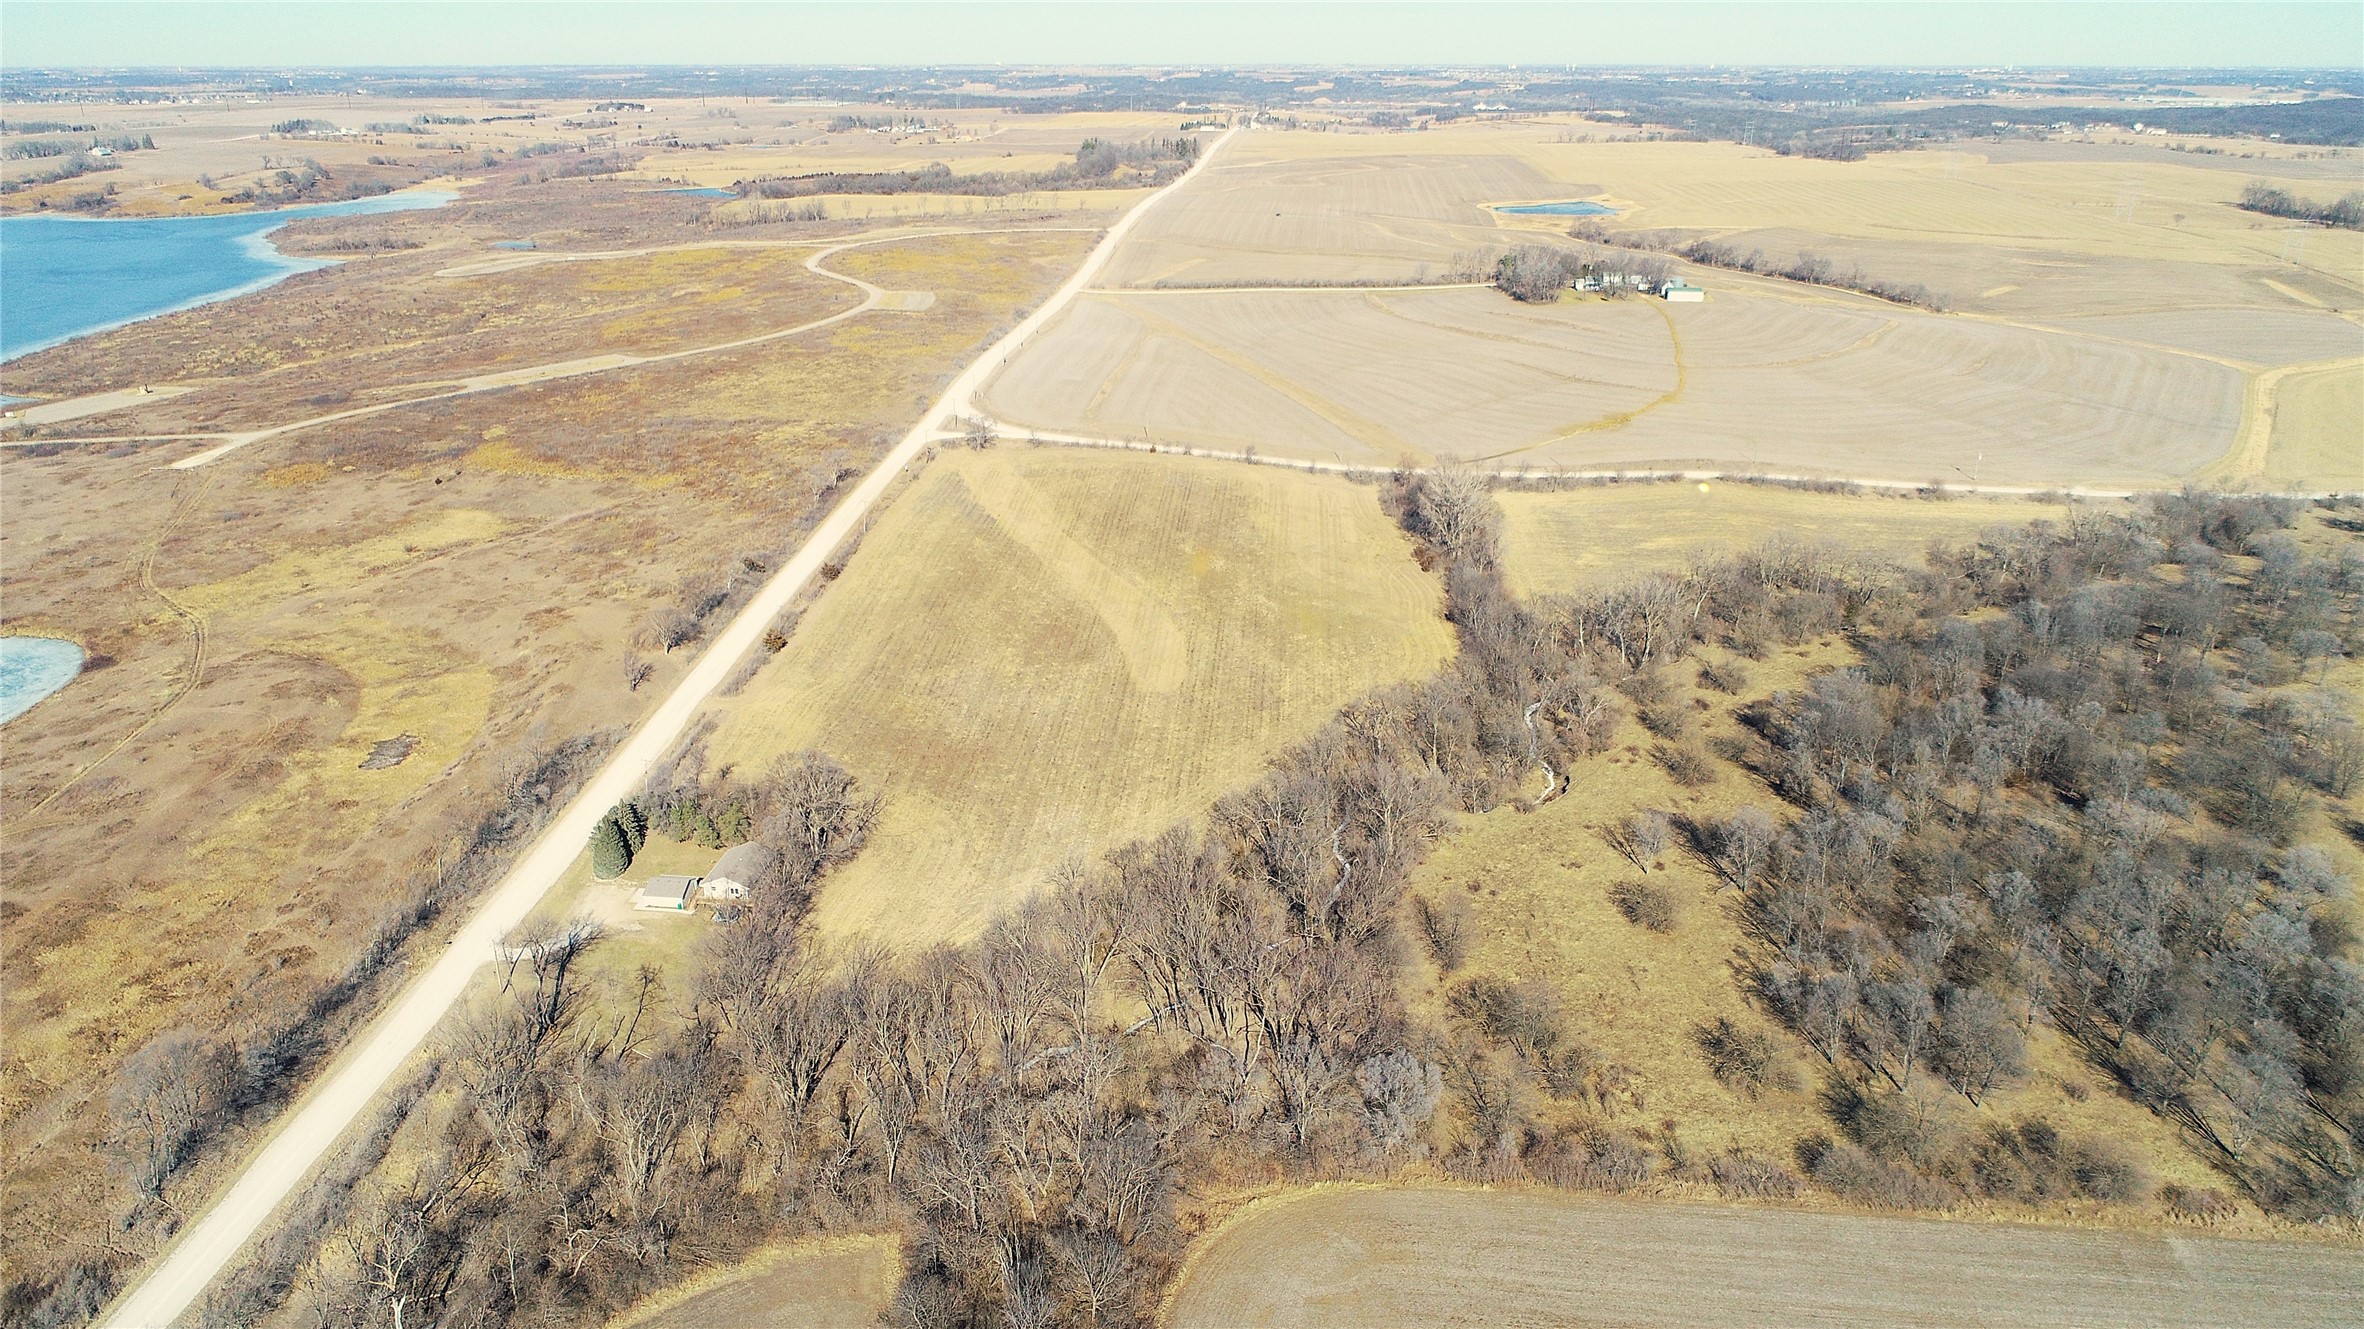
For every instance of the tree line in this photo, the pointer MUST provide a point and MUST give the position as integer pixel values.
(1098, 164)
(1807, 267)
(2346, 212)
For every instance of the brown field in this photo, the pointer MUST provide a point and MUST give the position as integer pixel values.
(2318, 432)
(1754, 380)
(1573, 539)
(475, 574)
(1374, 1258)
(1043, 654)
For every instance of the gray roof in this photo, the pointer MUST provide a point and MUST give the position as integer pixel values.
(742, 863)
(669, 886)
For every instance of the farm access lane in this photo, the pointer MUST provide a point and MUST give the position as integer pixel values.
(174, 1282)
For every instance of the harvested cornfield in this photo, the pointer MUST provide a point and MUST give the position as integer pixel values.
(1038, 655)
(1375, 1258)
(1752, 380)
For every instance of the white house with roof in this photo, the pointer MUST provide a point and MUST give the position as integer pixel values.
(737, 870)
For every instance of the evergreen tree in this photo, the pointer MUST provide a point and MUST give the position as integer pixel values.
(704, 831)
(610, 854)
(736, 824)
(634, 823)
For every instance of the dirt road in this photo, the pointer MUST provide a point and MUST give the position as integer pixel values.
(175, 1282)
(1376, 1258)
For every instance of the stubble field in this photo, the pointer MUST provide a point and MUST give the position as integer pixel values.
(1043, 654)
(1380, 1259)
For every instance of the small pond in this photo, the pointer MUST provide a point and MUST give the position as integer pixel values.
(706, 191)
(1571, 208)
(31, 668)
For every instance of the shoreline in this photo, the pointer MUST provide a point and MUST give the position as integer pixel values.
(256, 245)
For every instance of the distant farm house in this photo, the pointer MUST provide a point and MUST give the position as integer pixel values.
(1683, 293)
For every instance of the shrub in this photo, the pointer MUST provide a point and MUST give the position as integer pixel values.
(1744, 1175)
(1747, 1061)
(1689, 764)
(1855, 1175)
(1645, 904)
(2200, 1202)
(1728, 676)
(1444, 926)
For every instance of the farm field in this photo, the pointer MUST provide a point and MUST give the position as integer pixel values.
(1040, 654)
(1556, 541)
(195, 839)
(1752, 380)
(821, 1283)
(2318, 417)
(1430, 1256)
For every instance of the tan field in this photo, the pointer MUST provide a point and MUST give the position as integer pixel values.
(2318, 430)
(821, 1283)
(1588, 538)
(2114, 305)
(1756, 379)
(1371, 1258)
(1043, 654)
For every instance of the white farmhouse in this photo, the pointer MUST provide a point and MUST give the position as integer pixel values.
(1682, 293)
(735, 871)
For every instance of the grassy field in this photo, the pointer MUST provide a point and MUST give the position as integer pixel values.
(1374, 1258)
(1757, 378)
(1565, 540)
(1040, 654)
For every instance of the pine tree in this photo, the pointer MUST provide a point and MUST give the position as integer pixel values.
(634, 824)
(704, 831)
(736, 824)
(610, 855)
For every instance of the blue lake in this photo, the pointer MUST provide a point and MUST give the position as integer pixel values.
(61, 277)
(1576, 208)
(706, 191)
(31, 668)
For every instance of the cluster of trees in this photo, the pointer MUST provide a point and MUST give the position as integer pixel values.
(618, 838)
(2064, 786)
(1805, 267)
(2347, 211)
(1814, 270)
(1536, 274)
(1098, 164)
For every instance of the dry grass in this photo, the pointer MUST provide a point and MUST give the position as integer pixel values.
(1044, 654)
(473, 576)
(1369, 1256)
(1570, 539)
(843, 1282)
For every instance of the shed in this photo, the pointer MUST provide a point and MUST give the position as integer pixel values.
(670, 892)
(1683, 293)
(739, 868)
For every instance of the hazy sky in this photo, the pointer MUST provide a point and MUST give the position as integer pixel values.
(434, 32)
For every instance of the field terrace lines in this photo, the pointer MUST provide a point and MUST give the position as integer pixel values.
(309, 1128)
(1043, 653)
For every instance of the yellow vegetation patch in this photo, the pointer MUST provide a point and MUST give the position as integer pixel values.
(816, 1283)
(1041, 654)
(296, 475)
(2318, 429)
(340, 566)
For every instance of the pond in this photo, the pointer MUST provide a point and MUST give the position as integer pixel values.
(31, 668)
(706, 191)
(68, 276)
(1571, 208)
